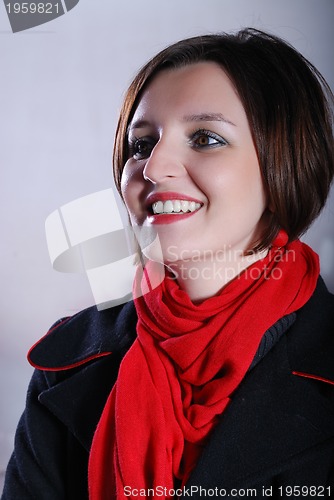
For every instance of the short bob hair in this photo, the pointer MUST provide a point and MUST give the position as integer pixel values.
(289, 107)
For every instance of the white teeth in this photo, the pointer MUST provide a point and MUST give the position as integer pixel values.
(168, 207)
(192, 206)
(175, 206)
(184, 206)
(158, 207)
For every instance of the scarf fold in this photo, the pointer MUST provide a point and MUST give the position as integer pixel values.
(180, 373)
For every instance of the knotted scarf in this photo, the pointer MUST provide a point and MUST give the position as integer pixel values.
(180, 373)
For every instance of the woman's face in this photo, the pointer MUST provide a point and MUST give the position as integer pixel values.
(193, 176)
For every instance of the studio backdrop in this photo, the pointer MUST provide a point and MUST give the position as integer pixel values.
(63, 76)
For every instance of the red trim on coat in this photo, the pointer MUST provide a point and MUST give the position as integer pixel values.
(65, 367)
(314, 377)
(68, 367)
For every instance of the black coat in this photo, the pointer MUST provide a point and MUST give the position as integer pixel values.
(277, 433)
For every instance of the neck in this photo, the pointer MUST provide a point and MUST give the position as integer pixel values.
(206, 277)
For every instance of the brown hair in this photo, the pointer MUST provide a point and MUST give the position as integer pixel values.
(289, 109)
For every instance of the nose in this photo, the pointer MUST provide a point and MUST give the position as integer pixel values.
(164, 163)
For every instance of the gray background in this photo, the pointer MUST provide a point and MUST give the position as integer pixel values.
(60, 92)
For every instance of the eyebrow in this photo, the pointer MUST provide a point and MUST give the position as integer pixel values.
(201, 117)
(207, 117)
(138, 124)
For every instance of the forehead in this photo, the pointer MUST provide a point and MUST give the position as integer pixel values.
(196, 87)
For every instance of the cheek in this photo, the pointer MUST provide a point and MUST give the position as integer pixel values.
(125, 184)
(255, 187)
(235, 186)
(131, 190)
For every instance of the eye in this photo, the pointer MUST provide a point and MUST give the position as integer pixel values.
(141, 148)
(205, 139)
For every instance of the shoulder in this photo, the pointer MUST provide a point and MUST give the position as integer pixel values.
(87, 335)
(315, 320)
(311, 337)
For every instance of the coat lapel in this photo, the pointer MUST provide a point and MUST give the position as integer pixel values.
(81, 358)
(78, 401)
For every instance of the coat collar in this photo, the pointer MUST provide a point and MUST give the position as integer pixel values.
(78, 386)
(262, 416)
(90, 334)
(311, 352)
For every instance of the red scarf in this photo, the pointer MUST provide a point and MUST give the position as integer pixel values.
(178, 376)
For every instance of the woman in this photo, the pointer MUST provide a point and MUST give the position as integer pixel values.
(217, 380)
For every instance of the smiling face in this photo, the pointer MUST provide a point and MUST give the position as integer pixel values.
(192, 175)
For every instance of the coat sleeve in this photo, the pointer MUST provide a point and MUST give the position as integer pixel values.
(38, 467)
(50, 459)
